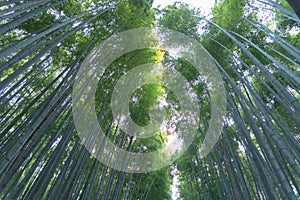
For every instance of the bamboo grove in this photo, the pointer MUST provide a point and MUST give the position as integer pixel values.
(256, 47)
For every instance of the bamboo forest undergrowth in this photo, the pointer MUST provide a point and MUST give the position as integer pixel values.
(253, 44)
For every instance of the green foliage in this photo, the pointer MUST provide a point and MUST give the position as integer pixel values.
(180, 17)
(134, 15)
(228, 14)
(39, 23)
(284, 25)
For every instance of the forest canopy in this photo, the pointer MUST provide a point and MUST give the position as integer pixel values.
(253, 45)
